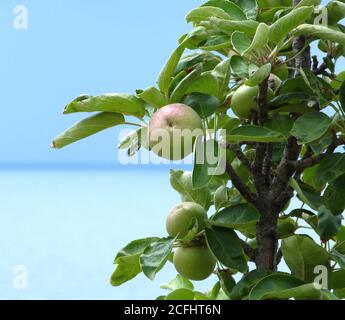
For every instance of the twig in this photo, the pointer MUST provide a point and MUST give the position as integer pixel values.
(240, 155)
(242, 188)
(248, 250)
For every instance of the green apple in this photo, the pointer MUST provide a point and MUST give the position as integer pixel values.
(180, 219)
(172, 131)
(194, 263)
(244, 100)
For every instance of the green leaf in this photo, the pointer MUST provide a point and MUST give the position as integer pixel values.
(336, 11)
(280, 123)
(334, 196)
(168, 70)
(249, 7)
(330, 168)
(118, 103)
(207, 159)
(242, 217)
(135, 247)
(295, 85)
(127, 268)
(286, 227)
(155, 256)
(285, 24)
(265, 4)
(88, 127)
(260, 38)
(181, 88)
(204, 13)
(304, 3)
(320, 32)
(255, 134)
(227, 282)
(229, 26)
(153, 97)
(342, 95)
(218, 43)
(206, 83)
(248, 281)
(338, 258)
(239, 66)
(340, 240)
(329, 224)
(240, 42)
(127, 261)
(181, 294)
(284, 286)
(226, 246)
(204, 104)
(291, 98)
(311, 126)
(234, 11)
(302, 255)
(337, 279)
(222, 73)
(259, 75)
(306, 194)
(178, 283)
(181, 181)
(207, 59)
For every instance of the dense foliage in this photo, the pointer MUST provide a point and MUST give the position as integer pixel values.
(246, 67)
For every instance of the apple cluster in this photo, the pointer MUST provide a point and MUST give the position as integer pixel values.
(192, 259)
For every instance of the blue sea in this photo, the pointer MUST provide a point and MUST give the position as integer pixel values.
(60, 229)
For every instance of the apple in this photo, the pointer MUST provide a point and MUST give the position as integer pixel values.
(181, 217)
(172, 131)
(243, 101)
(194, 263)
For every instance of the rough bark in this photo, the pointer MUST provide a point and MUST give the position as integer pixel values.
(267, 256)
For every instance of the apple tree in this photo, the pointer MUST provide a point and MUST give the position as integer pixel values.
(270, 226)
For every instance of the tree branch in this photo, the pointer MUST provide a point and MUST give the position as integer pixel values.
(267, 165)
(257, 170)
(248, 250)
(240, 155)
(308, 162)
(242, 188)
(285, 169)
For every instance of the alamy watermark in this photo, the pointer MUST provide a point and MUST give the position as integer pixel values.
(182, 146)
(19, 18)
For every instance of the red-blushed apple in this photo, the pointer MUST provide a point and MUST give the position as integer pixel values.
(181, 217)
(172, 131)
(194, 263)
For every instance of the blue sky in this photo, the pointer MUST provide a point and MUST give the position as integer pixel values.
(74, 47)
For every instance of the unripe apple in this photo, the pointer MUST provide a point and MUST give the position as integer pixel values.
(244, 100)
(194, 263)
(172, 131)
(180, 218)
